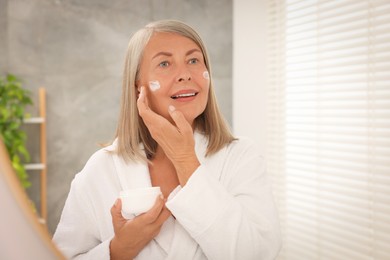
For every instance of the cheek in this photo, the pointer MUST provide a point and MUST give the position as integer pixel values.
(157, 98)
(154, 88)
(203, 78)
(206, 75)
(154, 85)
(206, 79)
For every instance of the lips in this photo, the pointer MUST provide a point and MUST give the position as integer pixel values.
(184, 94)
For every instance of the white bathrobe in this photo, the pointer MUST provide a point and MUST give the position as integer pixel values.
(225, 211)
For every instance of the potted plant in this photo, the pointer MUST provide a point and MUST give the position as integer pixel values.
(13, 101)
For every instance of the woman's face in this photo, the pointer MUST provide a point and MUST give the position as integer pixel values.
(173, 72)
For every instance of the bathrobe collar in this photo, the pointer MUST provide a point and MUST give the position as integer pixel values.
(136, 175)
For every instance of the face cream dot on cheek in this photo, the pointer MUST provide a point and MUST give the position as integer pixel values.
(206, 74)
(154, 85)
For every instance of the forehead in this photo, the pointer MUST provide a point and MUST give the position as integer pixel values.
(163, 41)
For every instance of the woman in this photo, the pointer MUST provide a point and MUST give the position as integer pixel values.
(216, 204)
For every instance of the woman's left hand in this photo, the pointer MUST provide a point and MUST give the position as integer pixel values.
(177, 141)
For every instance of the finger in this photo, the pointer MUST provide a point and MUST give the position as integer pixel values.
(164, 215)
(179, 119)
(144, 110)
(144, 96)
(151, 215)
(117, 219)
(153, 121)
(141, 101)
(155, 227)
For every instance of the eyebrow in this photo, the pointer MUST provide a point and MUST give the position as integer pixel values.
(168, 54)
(162, 53)
(192, 51)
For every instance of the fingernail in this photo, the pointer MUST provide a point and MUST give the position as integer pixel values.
(171, 108)
(161, 196)
(116, 202)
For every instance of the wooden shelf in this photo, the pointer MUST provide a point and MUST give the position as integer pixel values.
(34, 166)
(42, 165)
(34, 120)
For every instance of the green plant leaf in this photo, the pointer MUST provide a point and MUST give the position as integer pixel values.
(13, 101)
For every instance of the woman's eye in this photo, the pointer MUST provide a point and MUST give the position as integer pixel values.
(193, 61)
(164, 64)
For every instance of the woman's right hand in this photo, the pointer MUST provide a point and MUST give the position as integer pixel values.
(131, 236)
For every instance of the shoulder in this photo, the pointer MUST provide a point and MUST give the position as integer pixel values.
(99, 166)
(239, 162)
(244, 146)
(100, 158)
(240, 152)
(244, 155)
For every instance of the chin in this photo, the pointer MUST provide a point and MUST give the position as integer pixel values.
(191, 118)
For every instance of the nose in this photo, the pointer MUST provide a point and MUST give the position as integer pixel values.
(183, 75)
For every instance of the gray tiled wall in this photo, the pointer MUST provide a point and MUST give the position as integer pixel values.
(75, 49)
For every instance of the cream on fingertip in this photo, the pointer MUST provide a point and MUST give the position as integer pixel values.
(171, 108)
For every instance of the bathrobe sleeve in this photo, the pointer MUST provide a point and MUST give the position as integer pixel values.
(229, 209)
(85, 228)
(77, 234)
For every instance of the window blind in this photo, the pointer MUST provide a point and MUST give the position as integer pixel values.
(328, 126)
